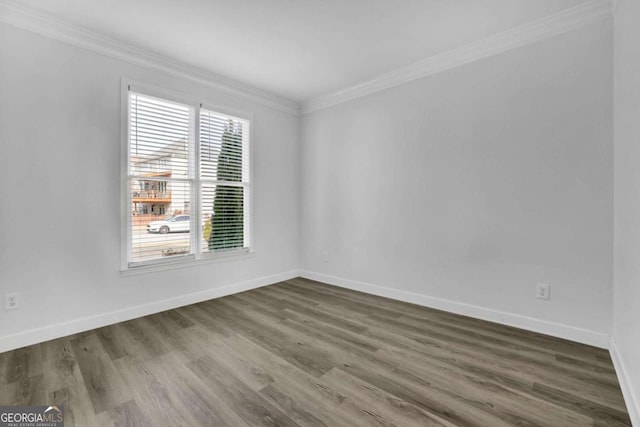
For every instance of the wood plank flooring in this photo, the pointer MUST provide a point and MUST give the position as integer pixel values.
(305, 353)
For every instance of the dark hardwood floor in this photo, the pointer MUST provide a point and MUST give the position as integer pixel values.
(305, 353)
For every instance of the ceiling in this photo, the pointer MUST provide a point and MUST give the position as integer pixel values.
(298, 49)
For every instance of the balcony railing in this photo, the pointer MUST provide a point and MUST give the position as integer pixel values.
(151, 196)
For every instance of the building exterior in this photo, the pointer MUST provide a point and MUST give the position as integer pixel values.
(158, 193)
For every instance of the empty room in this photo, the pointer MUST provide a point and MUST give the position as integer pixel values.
(320, 213)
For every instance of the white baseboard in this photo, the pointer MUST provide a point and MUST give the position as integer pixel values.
(58, 330)
(630, 397)
(572, 333)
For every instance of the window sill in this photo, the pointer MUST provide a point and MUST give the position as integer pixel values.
(177, 264)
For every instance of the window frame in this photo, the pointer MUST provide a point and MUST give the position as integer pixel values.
(197, 256)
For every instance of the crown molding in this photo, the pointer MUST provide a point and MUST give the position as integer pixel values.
(540, 29)
(48, 26)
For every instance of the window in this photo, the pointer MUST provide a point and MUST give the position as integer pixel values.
(187, 181)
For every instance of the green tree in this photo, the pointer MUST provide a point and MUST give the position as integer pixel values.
(227, 221)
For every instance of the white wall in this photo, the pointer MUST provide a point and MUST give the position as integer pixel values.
(60, 191)
(469, 186)
(473, 185)
(626, 309)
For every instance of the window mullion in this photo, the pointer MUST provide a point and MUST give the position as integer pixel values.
(196, 224)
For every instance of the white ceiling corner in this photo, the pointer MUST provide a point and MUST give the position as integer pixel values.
(543, 28)
(302, 56)
(40, 23)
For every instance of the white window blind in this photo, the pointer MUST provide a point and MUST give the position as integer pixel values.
(224, 173)
(188, 194)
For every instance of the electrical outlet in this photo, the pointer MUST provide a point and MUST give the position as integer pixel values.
(325, 256)
(11, 301)
(543, 291)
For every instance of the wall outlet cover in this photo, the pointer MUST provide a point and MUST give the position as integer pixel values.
(543, 291)
(11, 301)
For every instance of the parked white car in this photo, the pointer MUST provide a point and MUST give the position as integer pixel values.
(172, 224)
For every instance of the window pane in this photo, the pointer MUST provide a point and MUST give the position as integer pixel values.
(222, 148)
(222, 217)
(158, 137)
(159, 140)
(159, 229)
